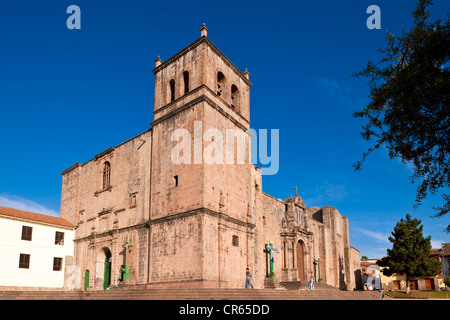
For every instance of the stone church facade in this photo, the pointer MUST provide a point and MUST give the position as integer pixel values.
(192, 223)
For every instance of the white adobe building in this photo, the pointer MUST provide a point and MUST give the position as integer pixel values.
(33, 249)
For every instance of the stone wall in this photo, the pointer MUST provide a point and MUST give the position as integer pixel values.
(268, 214)
(107, 217)
(175, 250)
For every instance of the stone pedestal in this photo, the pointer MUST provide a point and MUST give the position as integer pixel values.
(272, 283)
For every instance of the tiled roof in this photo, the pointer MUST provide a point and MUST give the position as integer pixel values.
(11, 212)
(447, 249)
(438, 251)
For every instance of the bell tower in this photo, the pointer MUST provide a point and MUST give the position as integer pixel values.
(204, 200)
(201, 65)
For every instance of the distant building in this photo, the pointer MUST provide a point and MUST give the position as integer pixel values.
(437, 255)
(397, 281)
(370, 274)
(33, 249)
(444, 259)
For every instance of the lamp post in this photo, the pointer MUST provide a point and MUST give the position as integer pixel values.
(443, 263)
(318, 263)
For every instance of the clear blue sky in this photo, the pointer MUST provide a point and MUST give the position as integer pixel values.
(66, 95)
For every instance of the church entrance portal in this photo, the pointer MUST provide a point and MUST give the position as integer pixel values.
(300, 261)
(103, 269)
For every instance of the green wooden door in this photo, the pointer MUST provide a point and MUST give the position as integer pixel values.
(86, 280)
(107, 272)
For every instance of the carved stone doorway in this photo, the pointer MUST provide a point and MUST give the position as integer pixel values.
(103, 269)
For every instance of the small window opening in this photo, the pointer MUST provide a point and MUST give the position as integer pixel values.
(175, 178)
(26, 233)
(57, 264)
(133, 200)
(59, 238)
(24, 261)
(235, 241)
(80, 216)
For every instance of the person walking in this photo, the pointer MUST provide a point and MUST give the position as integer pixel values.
(312, 281)
(248, 278)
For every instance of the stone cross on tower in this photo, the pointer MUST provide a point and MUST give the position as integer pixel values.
(126, 245)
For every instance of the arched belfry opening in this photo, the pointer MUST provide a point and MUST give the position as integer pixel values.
(235, 98)
(172, 90)
(186, 81)
(220, 84)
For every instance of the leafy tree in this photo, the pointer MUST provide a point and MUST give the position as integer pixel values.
(410, 253)
(447, 281)
(409, 111)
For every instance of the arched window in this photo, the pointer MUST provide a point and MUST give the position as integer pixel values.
(172, 89)
(220, 83)
(235, 97)
(106, 175)
(186, 81)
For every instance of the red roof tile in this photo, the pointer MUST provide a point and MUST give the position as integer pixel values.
(447, 249)
(11, 212)
(438, 251)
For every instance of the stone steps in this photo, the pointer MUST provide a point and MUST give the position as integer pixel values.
(193, 294)
(293, 285)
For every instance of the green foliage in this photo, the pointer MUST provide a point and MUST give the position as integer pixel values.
(409, 111)
(419, 294)
(447, 281)
(410, 253)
